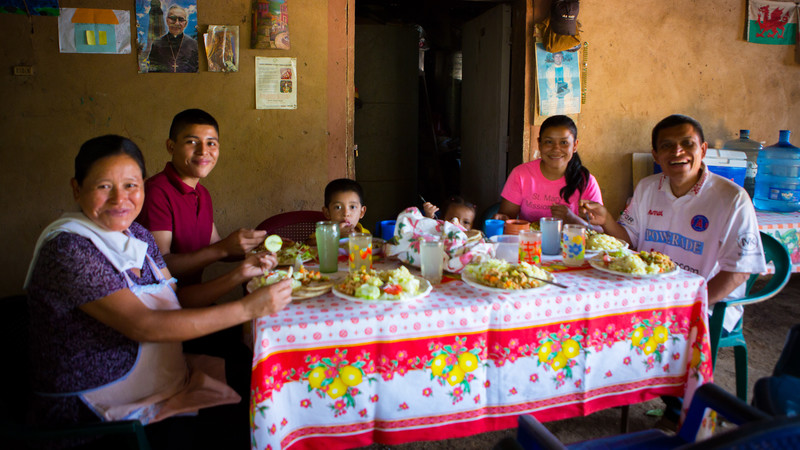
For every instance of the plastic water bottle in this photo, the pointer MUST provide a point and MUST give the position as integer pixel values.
(751, 149)
(778, 177)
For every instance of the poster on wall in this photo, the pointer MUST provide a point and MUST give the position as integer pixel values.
(30, 7)
(770, 22)
(276, 83)
(270, 24)
(222, 48)
(87, 30)
(166, 38)
(558, 82)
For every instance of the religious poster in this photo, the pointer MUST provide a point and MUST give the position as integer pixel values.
(771, 22)
(276, 83)
(559, 85)
(30, 7)
(87, 30)
(166, 35)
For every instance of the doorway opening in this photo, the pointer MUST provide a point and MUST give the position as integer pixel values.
(410, 92)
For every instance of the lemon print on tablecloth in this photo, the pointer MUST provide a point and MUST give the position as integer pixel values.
(570, 348)
(660, 334)
(337, 388)
(650, 346)
(544, 351)
(455, 376)
(438, 364)
(467, 362)
(637, 336)
(350, 375)
(559, 362)
(316, 377)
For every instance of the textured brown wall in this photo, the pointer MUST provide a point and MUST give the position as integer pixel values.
(271, 160)
(651, 58)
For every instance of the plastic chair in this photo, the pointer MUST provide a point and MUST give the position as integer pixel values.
(294, 225)
(774, 252)
(531, 434)
(779, 394)
(14, 432)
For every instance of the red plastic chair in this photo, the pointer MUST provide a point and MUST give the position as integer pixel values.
(294, 225)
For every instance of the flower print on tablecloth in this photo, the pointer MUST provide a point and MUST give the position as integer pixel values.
(453, 364)
(411, 227)
(557, 351)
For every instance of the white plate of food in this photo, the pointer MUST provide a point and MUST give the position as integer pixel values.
(635, 264)
(291, 251)
(475, 274)
(305, 283)
(597, 243)
(397, 285)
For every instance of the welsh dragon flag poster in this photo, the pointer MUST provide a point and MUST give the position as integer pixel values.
(771, 22)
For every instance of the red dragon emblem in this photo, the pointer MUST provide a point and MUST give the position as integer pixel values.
(772, 21)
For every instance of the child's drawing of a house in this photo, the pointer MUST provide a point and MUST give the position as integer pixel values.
(95, 30)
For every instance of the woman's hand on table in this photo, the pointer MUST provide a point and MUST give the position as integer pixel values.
(268, 299)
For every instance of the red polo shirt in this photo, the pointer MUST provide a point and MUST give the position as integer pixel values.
(172, 205)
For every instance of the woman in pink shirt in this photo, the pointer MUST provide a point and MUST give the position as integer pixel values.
(553, 185)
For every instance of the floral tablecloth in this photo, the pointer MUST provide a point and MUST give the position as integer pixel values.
(783, 227)
(331, 373)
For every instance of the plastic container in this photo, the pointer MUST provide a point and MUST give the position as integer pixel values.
(751, 149)
(778, 176)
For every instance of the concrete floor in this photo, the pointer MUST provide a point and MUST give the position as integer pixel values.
(766, 326)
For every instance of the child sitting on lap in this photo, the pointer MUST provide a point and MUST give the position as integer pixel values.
(457, 210)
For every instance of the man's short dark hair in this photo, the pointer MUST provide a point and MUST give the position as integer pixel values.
(189, 117)
(675, 120)
(343, 185)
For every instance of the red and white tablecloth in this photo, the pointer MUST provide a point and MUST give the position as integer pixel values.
(330, 373)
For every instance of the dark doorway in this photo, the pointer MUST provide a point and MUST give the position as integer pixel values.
(408, 117)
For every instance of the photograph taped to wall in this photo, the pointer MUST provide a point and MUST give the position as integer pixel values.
(166, 36)
(270, 24)
(222, 48)
(276, 83)
(85, 30)
(558, 82)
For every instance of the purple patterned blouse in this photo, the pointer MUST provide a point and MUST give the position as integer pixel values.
(70, 350)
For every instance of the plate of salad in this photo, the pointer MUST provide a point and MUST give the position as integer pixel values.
(292, 251)
(382, 285)
(305, 283)
(500, 276)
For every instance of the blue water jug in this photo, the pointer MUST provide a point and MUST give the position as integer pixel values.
(778, 176)
(750, 149)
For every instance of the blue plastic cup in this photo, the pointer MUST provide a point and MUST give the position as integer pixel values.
(387, 229)
(493, 227)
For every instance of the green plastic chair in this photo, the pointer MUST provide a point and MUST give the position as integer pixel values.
(774, 252)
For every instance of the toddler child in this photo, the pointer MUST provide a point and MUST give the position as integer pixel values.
(457, 210)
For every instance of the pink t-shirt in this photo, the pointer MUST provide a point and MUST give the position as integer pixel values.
(528, 188)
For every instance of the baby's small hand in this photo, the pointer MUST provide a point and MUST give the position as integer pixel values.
(430, 209)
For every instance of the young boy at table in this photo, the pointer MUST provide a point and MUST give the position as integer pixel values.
(178, 212)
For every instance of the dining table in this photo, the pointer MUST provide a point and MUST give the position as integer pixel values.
(334, 372)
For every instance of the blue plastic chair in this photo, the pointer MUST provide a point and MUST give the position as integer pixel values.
(531, 434)
(774, 252)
